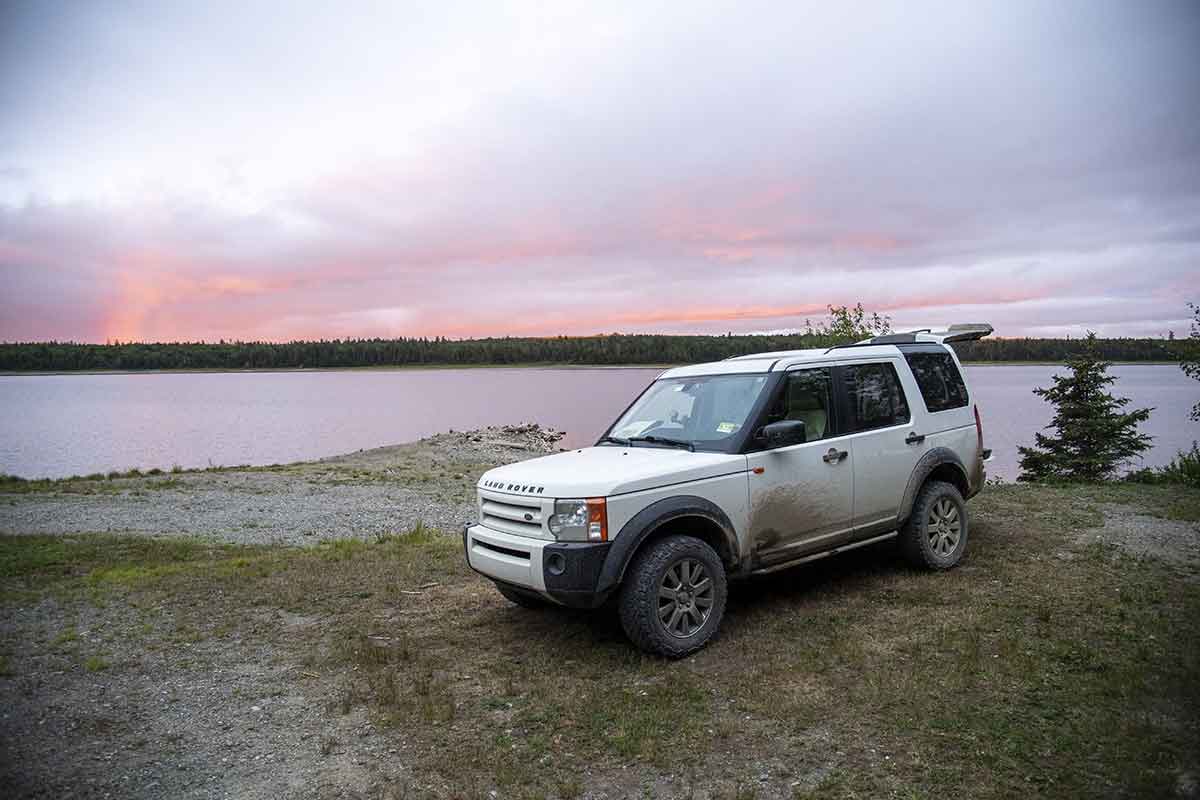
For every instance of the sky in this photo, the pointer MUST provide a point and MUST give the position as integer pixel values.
(272, 171)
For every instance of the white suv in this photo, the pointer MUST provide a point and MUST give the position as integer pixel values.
(737, 468)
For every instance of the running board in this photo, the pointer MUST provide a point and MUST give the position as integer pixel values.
(824, 554)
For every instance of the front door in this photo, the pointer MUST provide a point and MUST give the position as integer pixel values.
(801, 495)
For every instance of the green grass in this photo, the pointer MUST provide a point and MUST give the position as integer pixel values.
(1165, 500)
(1040, 667)
(67, 636)
(96, 483)
(60, 560)
(95, 664)
(1183, 469)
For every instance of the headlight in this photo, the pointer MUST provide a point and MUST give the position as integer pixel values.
(580, 520)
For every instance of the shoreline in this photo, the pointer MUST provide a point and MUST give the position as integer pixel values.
(378, 368)
(495, 439)
(439, 367)
(361, 494)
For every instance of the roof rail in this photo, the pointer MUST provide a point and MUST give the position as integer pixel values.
(895, 339)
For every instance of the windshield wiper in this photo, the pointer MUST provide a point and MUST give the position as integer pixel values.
(664, 440)
(614, 440)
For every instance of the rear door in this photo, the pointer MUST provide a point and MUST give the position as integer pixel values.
(801, 496)
(880, 425)
(949, 420)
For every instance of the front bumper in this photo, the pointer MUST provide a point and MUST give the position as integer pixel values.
(565, 572)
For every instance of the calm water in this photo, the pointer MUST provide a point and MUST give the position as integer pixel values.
(56, 425)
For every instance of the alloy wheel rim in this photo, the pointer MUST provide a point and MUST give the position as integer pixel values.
(685, 598)
(945, 527)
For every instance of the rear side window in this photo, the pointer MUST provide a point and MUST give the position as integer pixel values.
(940, 381)
(875, 397)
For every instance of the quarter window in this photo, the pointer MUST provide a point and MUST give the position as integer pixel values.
(875, 397)
(940, 382)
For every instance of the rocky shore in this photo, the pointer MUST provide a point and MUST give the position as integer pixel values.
(360, 495)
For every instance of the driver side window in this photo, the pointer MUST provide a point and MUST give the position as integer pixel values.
(807, 396)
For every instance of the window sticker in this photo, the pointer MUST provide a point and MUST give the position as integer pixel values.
(727, 427)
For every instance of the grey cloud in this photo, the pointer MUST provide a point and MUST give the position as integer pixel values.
(1026, 158)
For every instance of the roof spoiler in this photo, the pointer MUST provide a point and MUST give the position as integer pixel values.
(968, 332)
(952, 333)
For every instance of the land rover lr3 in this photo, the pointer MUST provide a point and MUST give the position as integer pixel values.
(737, 468)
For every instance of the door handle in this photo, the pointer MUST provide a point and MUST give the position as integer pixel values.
(915, 438)
(834, 456)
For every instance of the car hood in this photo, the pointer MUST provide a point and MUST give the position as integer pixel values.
(606, 471)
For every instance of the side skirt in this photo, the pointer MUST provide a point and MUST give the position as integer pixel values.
(825, 553)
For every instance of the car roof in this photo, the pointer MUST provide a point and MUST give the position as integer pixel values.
(780, 360)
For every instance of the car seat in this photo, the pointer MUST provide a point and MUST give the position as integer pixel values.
(804, 405)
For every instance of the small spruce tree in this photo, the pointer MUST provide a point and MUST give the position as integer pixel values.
(1093, 435)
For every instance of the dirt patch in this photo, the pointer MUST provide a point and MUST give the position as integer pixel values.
(1145, 536)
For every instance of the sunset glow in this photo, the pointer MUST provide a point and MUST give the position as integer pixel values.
(175, 171)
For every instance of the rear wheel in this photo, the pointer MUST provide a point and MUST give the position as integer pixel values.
(935, 535)
(673, 596)
(520, 598)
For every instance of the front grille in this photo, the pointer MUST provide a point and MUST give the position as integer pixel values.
(518, 516)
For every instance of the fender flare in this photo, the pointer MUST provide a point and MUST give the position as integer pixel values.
(925, 466)
(650, 519)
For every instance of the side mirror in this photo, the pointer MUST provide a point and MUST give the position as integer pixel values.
(783, 433)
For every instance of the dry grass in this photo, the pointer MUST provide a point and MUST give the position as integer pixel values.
(1037, 668)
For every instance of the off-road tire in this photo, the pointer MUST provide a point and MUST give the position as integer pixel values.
(638, 600)
(918, 537)
(521, 599)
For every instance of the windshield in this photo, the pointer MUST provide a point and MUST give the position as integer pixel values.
(705, 411)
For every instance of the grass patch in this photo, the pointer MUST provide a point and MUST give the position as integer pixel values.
(66, 637)
(95, 483)
(95, 664)
(1164, 500)
(47, 560)
(112, 481)
(1184, 469)
(1039, 667)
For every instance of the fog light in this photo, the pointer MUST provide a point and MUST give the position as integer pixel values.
(556, 564)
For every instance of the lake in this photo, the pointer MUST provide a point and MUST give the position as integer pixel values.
(58, 425)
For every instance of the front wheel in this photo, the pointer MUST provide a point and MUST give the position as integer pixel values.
(673, 596)
(935, 535)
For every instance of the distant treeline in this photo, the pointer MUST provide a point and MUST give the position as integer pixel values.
(611, 349)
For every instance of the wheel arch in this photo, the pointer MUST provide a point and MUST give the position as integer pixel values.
(686, 514)
(939, 464)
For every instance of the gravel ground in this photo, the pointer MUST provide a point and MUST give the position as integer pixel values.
(202, 720)
(215, 719)
(191, 706)
(1139, 534)
(359, 495)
